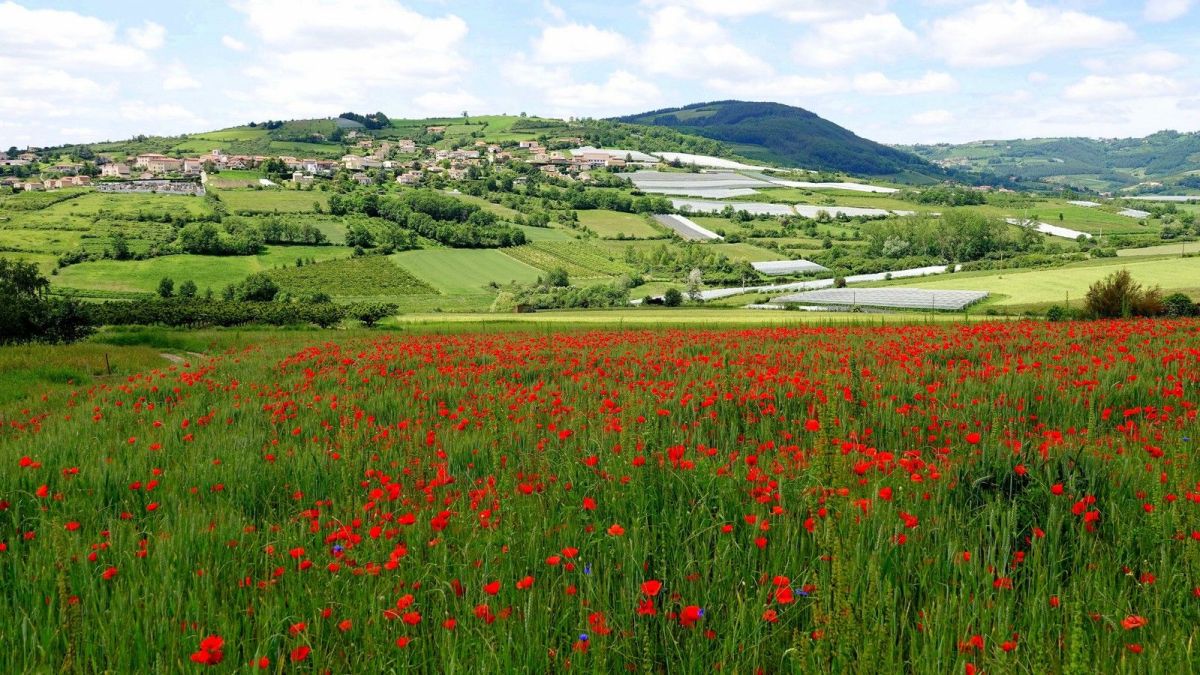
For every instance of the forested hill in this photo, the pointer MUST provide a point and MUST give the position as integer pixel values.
(782, 134)
(1167, 157)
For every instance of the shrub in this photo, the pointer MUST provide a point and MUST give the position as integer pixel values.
(187, 289)
(369, 313)
(27, 313)
(166, 287)
(257, 288)
(672, 298)
(1179, 305)
(1118, 295)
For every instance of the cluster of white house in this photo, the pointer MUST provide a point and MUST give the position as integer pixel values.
(410, 163)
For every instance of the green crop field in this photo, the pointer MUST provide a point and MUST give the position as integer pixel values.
(748, 252)
(809, 496)
(612, 224)
(1039, 288)
(465, 271)
(215, 272)
(274, 200)
(579, 259)
(350, 278)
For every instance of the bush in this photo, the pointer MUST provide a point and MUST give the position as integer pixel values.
(27, 313)
(187, 289)
(369, 313)
(1118, 295)
(1179, 305)
(257, 288)
(672, 298)
(166, 287)
(1056, 313)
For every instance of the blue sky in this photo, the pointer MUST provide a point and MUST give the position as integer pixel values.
(895, 71)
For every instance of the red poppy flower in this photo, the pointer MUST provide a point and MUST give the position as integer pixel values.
(651, 587)
(300, 653)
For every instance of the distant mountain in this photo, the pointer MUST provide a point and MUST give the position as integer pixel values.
(783, 134)
(1167, 157)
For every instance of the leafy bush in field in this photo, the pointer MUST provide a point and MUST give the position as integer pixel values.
(197, 312)
(258, 287)
(1179, 305)
(369, 313)
(1119, 295)
(366, 276)
(27, 313)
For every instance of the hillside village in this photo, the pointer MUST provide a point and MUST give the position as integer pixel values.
(369, 161)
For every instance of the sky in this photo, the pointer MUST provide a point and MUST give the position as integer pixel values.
(914, 71)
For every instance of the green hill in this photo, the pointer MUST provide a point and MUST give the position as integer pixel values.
(1167, 157)
(782, 134)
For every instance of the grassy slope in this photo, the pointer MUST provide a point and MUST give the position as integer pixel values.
(215, 272)
(1037, 288)
(465, 271)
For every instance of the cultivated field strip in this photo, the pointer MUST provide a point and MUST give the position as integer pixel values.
(896, 298)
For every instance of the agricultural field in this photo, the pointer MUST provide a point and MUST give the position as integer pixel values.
(368, 277)
(1038, 289)
(112, 278)
(617, 225)
(579, 259)
(274, 200)
(465, 271)
(1000, 497)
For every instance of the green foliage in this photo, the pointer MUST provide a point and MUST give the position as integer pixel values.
(196, 312)
(258, 287)
(1179, 305)
(371, 312)
(786, 135)
(368, 276)
(166, 287)
(672, 297)
(557, 277)
(1118, 295)
(187, 289)
(28, 314)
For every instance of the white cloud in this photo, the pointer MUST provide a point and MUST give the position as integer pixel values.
(929, 83)
(446, 103)
(1166, 10)
(576, 43)
(148, 36)
(233, 43)
(783, 88)
(875, 36)
(320, 56)
(62, 66)
(1012, 32)
(1158, 60)
(1038, 77)
(792, 10)
(620, 92)
(1134, 86)
(179, 78)
(930, 118)
(681, 45)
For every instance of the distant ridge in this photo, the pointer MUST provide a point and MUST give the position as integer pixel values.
(783, 134)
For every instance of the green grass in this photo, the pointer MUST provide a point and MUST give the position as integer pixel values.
(351, 278)
(28, 372)
(274, 200)
(1022, 289)
(465, 271)
(1176, 249)
(748, 252)
(499, 210)
(611, 224)
(579, 259)
(215, 272)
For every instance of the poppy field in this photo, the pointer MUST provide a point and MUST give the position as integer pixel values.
(1001, 497)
